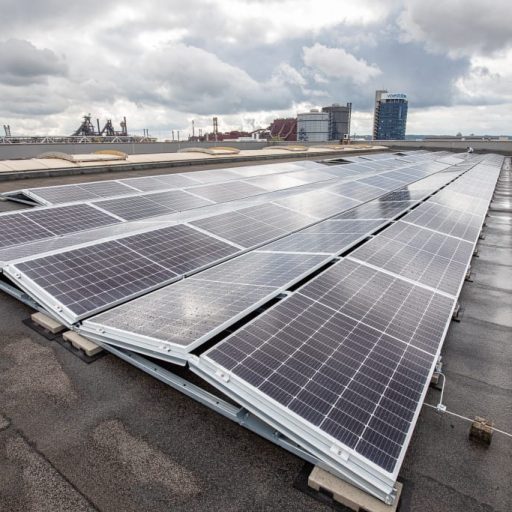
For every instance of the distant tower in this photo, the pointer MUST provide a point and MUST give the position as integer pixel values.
(390, 116)
(7, 130)
(124, 127)
(215, 127)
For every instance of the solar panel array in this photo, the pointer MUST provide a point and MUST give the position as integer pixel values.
(304, 172)
(38, 224)
(342, 361)
(322, 239)
(349, 354)
(149, 205)
(184, 315)
(134, 186)
(139, 200)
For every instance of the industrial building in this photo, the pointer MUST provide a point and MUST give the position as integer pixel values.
(284, 129)
(339, 121)
(331, 124)
(390, 116)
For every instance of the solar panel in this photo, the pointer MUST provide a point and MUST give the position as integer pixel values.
(473, 188)
(344, 226)
(314, 243)
(144, 184)
(460, 202)
(326, 237)
(347, 358)
(88, 279)
(179, 247)
(262, 269)
(356, 190)
(70, 219)
(378, 209)
(50, 245)
(17, 229)
(311, 176)
(61, 194)
(213, 176)
(375, 299)
(76, 283)
(107, 188)
(274, 215)
(227, 191)
(363, 169)
(185, 314)
(275, 182)
(239, 229)
(252, 226)
(133, 208)
(340, 171)
(406, 194)
(275, 168)
(318, 203)
(424, 256)
(176, 180)
(178, 200)
(381, 182)
(445, 220)
(401, 177)
(193, 310)
(432, 183)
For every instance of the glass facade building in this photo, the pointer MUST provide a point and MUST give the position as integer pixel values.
(390, 116)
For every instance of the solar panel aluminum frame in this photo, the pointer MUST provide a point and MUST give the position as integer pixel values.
(173, 352)
(340, 460)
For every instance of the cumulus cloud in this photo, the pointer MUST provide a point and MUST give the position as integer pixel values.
(21, 63)
(458, 27)
(487, 82)
(337, 63)
(190, 79)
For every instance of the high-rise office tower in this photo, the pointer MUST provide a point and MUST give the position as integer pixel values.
(390, 117)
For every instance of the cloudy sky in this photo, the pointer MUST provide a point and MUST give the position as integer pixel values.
(163, 63)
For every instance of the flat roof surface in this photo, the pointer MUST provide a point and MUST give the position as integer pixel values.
(106, 436)
(92, 159)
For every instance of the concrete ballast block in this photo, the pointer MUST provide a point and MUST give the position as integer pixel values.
(348, 495)
(81, 343)
(481, 430)
(47, 323)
